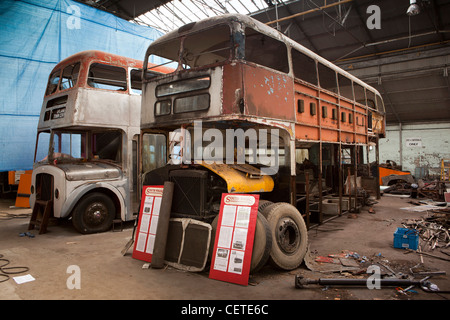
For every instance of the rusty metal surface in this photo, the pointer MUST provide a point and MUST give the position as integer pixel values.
(254, 93)
(268, 94)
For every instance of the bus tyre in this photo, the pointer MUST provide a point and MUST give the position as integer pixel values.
(263, 204)
(94, 213)
(261, 245)
(289, 235)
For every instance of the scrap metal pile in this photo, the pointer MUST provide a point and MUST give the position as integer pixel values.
(395, 181)
(432, 190)
(433, 229)
(359, 270)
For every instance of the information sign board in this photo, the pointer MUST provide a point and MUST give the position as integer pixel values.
(235, 234)
(148, 222)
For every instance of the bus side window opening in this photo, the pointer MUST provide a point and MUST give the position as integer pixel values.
(108, 77)
(53, 82)
(69, 76)
(266, 51)
(107, 145)
(304, 67)
(136, 81)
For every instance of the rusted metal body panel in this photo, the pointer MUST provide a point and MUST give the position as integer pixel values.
(233, 87)
(378, 124)
(268, 94)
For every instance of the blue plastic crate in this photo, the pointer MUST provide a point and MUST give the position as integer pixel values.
(406, 239)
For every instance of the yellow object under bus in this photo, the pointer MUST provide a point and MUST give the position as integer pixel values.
(241, 178)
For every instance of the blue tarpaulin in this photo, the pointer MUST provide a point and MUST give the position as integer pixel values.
(34, 36)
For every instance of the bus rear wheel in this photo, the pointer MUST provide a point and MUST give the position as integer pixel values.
(94, 213)
(289, 235)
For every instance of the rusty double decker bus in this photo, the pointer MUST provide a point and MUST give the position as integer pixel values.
(242, 84)
(86, 155)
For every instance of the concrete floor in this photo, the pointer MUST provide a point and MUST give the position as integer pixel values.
(107, 274)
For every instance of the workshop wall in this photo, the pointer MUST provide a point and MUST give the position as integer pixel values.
(419, 148)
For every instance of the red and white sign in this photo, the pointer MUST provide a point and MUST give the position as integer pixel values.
(232, 255)
(148, 223)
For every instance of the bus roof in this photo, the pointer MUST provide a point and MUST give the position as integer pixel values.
(258, 26)
(97, 55)
(107, 58)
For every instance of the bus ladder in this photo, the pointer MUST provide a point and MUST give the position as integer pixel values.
(42, 211)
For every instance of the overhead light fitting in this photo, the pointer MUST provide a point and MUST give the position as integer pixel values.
(413, 9)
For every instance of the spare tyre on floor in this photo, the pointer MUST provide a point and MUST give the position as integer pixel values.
(289, 235)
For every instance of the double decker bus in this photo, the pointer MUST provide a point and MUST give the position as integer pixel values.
(248, 110)
(86, 154)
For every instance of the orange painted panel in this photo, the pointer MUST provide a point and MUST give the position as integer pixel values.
(329, 135)
(361, 139)
(347, 137)
(383, 172)
(23, 191)
(306, 133)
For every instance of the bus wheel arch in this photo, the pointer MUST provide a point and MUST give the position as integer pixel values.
(95, 211)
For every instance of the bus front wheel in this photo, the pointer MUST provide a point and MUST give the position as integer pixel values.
(94, 213)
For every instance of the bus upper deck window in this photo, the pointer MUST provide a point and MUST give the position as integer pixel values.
(207, 47)
(136, 79)
(380, 105)
(371, 99)
(163, 54)
(104, 76)
(266, 51)
(304, 67)
(53, 82)
(69, 76)
(360, 96)
(327, 78)
(345, 86)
